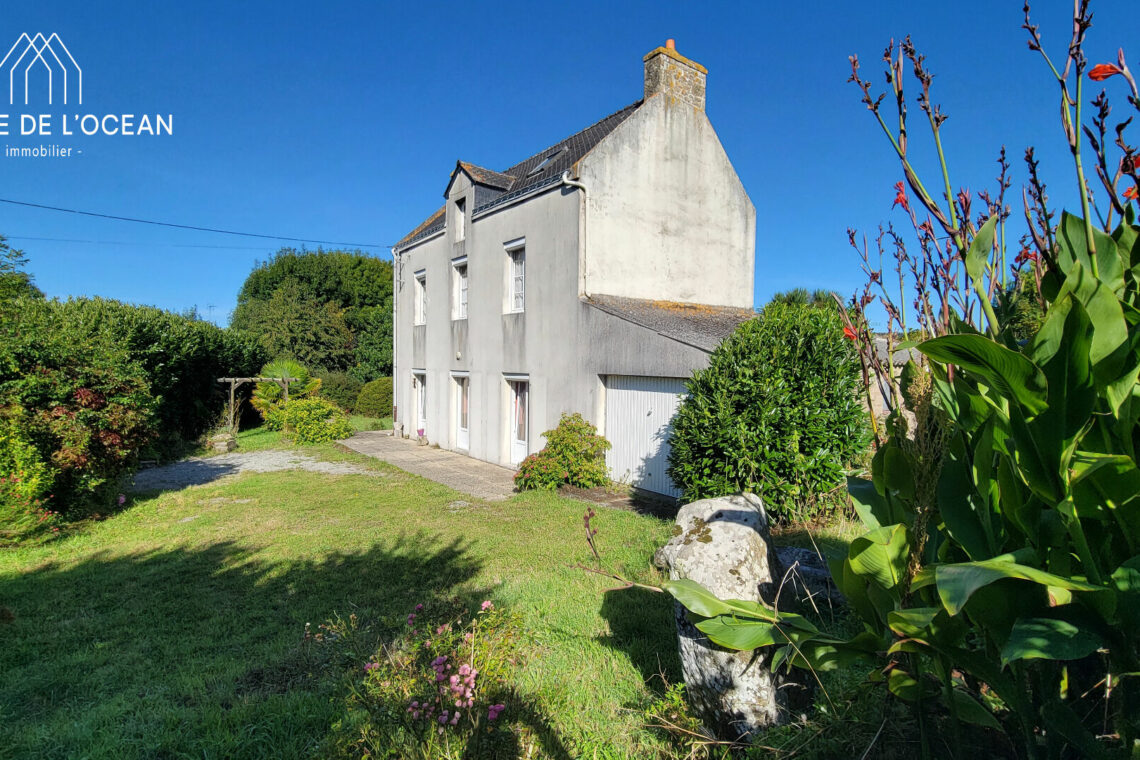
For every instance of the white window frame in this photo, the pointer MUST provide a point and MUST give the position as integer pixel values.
(419, 317)
(517, 447)
(460, 289)
(462, 386)
(419, 384)
(516, 277)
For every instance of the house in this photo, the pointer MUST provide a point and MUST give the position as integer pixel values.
(595, 276)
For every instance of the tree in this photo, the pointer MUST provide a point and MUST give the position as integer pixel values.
(352, 290)
(801, 297)
(289, 325)
(14, 281)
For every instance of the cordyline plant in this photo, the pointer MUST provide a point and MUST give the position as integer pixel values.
(998, 580)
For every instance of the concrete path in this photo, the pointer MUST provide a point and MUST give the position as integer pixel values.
(472, 476)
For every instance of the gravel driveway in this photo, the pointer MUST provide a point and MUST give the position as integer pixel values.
(197, 471)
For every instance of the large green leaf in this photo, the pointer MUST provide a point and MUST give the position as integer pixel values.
(1048, 639)
(957, 582)
(1107, 486)
(1110, 329)
(1074, 251)
(980, 249)
(972, 711)
(881, 555)
(963, 509)
(1062, 349)
(699, 600)
(1010, 373)
(869, 503)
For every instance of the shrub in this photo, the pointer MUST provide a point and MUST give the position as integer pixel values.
(540, 471)
(83, 403)
(574, 455)
(340, 388)
(314, 420)
(181, 357)
(439, 691)
(777, 413)
(375, 399)
(24, 480)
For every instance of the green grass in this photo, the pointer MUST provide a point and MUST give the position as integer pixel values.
(172, 629)
(360, 422)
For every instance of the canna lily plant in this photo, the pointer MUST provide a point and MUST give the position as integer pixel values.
(998, 577)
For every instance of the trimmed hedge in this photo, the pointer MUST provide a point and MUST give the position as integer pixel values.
(375, 399)
(340, 388)
(777, 412)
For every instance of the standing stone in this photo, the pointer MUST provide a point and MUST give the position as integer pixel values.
(723, 544)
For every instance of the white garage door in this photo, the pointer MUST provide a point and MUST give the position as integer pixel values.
(638, 415)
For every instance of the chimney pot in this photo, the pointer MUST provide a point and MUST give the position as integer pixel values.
(670, 44)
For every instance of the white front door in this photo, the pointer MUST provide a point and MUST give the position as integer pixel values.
(419, 383)
(462, 412)
(520, 425)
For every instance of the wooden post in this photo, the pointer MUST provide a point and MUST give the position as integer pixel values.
(233, 388)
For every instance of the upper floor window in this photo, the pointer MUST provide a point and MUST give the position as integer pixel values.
(459, 288)
(516, 276)
(421, 298)
(460, 218)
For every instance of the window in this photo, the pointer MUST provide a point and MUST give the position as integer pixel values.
(545, 162)
(419, 385)
(517, 279)
(459, 288)
(421, 298)
(460, 218)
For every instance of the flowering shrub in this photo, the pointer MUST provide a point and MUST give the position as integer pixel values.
(540, 471)
(83, 404)
(314, 420)
(777, 412)
(574, 455)
(375, 399)
(438, 691)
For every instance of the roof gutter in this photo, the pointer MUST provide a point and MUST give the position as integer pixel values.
(567, 182)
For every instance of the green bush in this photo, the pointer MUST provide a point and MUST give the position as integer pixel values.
(181, 357)
(24, 482)
(314, 420)
(540, 472)
(78, 397)
(375, 399)
(777, 412)
(269, 395)
(574, 455)
(340, 388)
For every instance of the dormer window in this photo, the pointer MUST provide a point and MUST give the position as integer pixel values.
(460, 218)
(546, 162)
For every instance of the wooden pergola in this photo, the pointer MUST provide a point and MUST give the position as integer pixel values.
(237, 382)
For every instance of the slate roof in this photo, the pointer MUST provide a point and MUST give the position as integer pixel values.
(697, 325)
(529, 175)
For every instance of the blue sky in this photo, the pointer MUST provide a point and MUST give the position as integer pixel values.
(342, 121)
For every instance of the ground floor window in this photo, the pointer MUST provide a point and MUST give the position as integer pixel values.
(519, 419)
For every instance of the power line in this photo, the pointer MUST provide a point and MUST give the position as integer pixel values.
(188, 226)
(135, 243)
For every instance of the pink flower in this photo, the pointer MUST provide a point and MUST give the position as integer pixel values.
(369, 667)
(122, 500)
(494, 710)
(486, 605)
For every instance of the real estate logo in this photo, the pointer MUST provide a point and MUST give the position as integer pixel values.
(35, 56)
(40, 69)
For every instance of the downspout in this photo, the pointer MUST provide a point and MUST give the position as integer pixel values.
(567, 182)
(397, 282)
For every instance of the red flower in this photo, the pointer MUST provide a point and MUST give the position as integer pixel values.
(848, 333)
(1131, 194)
(900, 197)
(1103, 71)
(1024, 256)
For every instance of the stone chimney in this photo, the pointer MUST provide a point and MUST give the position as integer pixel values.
(669, 73)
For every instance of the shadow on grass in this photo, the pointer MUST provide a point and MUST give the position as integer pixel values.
(196, 651)
(642, 628)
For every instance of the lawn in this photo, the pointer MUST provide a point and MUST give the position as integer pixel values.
(173, 628)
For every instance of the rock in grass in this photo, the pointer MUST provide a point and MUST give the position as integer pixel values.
(724, 545)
